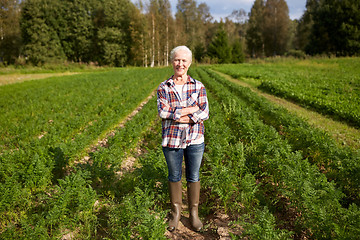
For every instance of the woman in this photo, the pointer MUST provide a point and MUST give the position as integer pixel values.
(183, 106)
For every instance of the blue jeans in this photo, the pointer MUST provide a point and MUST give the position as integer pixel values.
(192, 154)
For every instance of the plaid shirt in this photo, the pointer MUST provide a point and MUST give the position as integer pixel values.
(180, 135)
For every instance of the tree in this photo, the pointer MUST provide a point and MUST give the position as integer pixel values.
(194, 21)
(138, 32)
(41, 42)
(254, 33)
(219, 48)
(276, 27)
(199, 52)
(113, 35)
(304, 27)
(78, 32)
(186, 14)
(237, 53)
(160, 31)
(335, 28)
(165, 31)
(10, 36)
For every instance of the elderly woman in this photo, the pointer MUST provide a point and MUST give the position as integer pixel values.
(183, 106)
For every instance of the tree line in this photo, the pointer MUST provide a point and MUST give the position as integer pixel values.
(120, 33)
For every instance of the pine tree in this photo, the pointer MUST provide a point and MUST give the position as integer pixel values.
(219, 48)
(237, 53)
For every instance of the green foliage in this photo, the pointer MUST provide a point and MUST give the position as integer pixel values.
(341, 164)
(135, 217)
(219, 47)
(42, 43)
(328, 86)
(113, 32)
(296, 54)
(275, 30)
(268, 31)
(112, 45)
(10, 41)
(46, 135)
(260, 165)
(80, 31)
(263, 227)
(237, 53)
(72, 202)
(335, 28)
(69, 207)
(254, 37)
(76, 29)
(271, 158)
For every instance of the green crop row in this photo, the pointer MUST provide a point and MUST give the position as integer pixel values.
(289, 183)
(342, 165)
(93, 201)
(330, 87)
(71, 107)
(227, 180)
(29, 174)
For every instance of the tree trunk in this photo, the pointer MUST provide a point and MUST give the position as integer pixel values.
(153, 42)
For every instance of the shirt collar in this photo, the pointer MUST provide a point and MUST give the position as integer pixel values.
(170, 82)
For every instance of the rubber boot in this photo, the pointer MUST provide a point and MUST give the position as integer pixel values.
(193, 189)
(175, 190)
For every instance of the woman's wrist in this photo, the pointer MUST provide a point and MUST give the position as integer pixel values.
(189, 110)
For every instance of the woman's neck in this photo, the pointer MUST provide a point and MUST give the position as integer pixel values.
(180, 80)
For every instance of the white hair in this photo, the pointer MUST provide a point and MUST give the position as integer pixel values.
(180, 48)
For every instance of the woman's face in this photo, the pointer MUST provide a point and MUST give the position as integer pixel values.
(181, 63)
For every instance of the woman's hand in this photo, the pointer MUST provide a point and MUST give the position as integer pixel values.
(189, 110)
(185, 119)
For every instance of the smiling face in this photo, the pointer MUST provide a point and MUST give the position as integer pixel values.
(181, 63)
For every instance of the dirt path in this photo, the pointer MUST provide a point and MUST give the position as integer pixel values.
(216, 227)
(16, 78)
(342, 133)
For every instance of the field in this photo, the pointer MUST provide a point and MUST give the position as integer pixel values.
(329, 86)
(81, 156)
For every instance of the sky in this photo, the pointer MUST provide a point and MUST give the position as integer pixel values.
(223, 8)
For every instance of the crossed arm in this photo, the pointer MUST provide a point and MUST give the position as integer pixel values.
(193, 114)
(184, 118)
